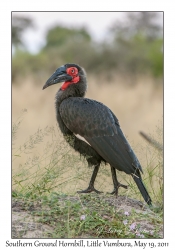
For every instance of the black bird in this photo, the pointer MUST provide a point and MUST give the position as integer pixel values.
(92, 129)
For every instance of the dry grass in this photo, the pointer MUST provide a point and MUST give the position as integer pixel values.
(138, 107)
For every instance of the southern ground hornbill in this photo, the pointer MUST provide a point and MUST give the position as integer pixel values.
(92, 129)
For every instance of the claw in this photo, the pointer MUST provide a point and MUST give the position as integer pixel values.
(89, 190)
(115, 191)
(124, 186)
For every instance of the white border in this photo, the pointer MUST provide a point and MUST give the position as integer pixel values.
(5, 96)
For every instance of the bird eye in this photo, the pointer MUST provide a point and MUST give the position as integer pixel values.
(72, 71)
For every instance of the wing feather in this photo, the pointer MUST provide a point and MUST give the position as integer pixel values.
(100, 127)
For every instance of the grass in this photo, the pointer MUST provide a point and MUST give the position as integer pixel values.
(138, 106)
(46, 172)
(48, 181)
(90, 216)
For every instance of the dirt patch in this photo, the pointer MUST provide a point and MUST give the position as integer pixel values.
(27, 225)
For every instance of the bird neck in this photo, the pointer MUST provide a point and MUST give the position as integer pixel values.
(73, 90)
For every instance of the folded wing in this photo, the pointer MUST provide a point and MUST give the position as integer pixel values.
(100, 128)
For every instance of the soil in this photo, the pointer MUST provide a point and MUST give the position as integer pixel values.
(26, 225)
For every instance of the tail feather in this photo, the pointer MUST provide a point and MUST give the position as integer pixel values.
(142, 189)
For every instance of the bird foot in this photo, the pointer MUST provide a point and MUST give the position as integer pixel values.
(115, 191)
(89, 190)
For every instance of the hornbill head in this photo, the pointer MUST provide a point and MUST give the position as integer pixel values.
(69, 74)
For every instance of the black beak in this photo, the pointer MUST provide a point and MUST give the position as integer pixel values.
(60, 75)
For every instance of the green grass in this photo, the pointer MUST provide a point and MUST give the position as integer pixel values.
(46, 182)
(90, 216)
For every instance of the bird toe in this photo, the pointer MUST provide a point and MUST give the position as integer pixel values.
(89, 190)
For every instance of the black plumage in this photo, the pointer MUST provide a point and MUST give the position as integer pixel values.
(92, 129)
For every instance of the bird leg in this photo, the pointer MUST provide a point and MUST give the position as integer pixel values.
(116, 183)
(91, 183)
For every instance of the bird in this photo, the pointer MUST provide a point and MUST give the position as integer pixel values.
(92, 129)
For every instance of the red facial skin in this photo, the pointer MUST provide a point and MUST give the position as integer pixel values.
(73, 71)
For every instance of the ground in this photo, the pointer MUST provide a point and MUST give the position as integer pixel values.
(27, 223)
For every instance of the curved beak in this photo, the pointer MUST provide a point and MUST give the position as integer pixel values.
(59, 75)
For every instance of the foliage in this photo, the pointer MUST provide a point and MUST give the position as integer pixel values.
(19, 25)
(26, 64)
(138, 43)
(90, 216)
(135, 46)
(142, 22)
(59, 36)
(59, 167)
(40, 183)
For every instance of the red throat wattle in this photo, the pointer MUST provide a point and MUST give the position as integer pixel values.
(73, 71)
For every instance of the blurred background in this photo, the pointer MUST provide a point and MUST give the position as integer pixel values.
(122, 53)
